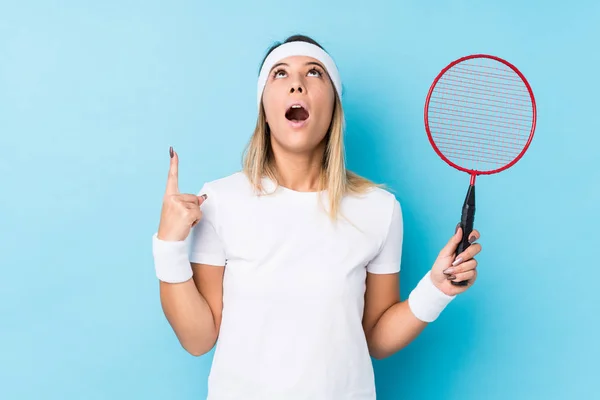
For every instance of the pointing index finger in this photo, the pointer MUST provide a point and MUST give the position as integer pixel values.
(173, 177)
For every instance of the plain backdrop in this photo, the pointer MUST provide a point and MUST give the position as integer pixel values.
(92, 94)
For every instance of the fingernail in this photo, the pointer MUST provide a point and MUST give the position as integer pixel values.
(472, 239)
(171, 151)
(204, 196)
(457, 226)
(449, 271)
(451, 277)
(457, 261)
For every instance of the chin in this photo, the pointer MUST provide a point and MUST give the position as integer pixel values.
(297, 145)
(297, 140)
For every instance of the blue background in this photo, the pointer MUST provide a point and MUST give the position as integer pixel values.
(93, 93)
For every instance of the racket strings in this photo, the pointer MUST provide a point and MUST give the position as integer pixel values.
(480, 114)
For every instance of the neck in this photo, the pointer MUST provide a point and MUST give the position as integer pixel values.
(299, 171)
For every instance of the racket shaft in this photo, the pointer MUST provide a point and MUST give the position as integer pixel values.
(467, 220)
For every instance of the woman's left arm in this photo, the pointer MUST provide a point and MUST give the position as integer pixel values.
(391, 324)
(388, 322)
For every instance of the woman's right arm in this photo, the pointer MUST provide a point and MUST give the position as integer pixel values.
(193, 308)
(190, 293)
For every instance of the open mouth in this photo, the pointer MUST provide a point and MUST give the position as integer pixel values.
(296, 113)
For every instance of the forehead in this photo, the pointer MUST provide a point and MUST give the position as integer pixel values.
(298, 61)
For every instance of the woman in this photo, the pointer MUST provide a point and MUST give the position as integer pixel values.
(293, 262)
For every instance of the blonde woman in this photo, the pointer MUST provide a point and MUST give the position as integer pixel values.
(293, 262)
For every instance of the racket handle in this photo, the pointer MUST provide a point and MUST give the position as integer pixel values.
(467, 220)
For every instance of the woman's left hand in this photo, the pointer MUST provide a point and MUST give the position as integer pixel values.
(463, 267)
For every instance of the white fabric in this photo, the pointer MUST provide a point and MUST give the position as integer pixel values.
(298, 49)
(171, 262)
(426, 301)
(293, 289)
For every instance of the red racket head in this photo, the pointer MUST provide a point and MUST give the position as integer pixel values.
(480, 114)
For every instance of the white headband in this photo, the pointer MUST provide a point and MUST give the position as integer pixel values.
(298, 49)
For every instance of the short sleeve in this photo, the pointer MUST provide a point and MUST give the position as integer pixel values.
(387, 261)
(206, 247)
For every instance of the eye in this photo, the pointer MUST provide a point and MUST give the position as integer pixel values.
(315, 72)
(279, 73)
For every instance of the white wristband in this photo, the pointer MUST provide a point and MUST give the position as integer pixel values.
(171, 260)
(426, 301)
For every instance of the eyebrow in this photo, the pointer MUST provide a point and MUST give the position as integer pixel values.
(308, 63)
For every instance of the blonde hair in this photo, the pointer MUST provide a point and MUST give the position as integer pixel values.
(258, 161)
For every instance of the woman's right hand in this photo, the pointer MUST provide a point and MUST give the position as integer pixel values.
(180, 212)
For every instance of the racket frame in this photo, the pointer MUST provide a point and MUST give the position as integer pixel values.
(474, 172)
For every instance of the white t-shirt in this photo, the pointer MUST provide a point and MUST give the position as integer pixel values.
(293, 289)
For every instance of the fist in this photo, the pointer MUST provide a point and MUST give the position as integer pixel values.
(180, 211)
(449, 266)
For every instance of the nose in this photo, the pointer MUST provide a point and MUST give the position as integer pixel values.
(297, 83)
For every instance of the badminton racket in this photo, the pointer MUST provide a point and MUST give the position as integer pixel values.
(480, 117)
